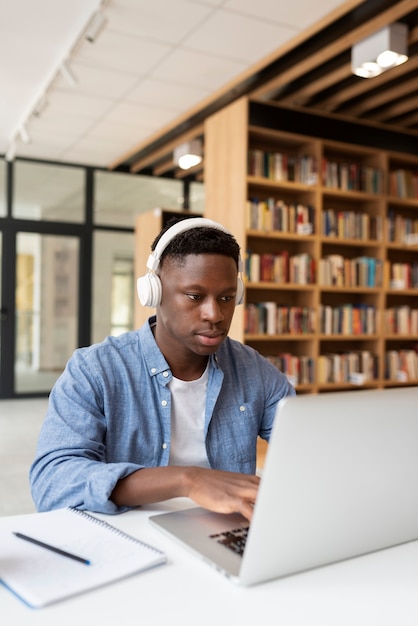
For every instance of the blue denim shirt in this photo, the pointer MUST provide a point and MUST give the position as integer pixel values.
(109, 415)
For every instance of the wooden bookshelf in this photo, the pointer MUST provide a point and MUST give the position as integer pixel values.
(351, 214)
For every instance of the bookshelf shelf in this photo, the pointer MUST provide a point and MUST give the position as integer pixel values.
(345, 338)
(401, 337)
(340, 241)
(271, 286)
(271, 184)
(252, 337)
(402, 292)
(394, 383)
(264, 234)
(347, 386)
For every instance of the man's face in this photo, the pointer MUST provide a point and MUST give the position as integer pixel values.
(197, 304)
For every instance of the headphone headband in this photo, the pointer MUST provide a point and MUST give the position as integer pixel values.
(176, 229)
(149, 286)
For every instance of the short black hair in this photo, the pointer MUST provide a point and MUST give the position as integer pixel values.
(199, 240)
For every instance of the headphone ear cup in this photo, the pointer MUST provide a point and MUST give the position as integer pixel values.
(239, 298)
(149, 290)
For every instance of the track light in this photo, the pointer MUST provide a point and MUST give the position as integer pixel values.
(188, 154)
(97, 23)
(11, 151)
(23, 133)
(90, 32)
(68, 74)
(381, 51)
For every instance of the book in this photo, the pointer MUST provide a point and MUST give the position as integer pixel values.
(99, 554)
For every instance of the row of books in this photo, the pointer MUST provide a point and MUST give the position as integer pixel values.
(278, 215)
(303, 168)
(297, 218)
(280, 268)
(347, 319)
(403, 183)
(333, 270)
(275, 319)
(357, 366)
(401, 365)
(400, 229)
(279, 166)
(404, 275)
(401, 320)
(363, 271)
(352, 177)
(298, 369)
(351, 225)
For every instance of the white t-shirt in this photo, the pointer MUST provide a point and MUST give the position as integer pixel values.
(188, 400)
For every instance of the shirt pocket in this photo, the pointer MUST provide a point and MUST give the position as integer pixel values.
(235, 430)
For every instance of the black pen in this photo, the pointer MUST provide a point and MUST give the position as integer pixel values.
(52, 548)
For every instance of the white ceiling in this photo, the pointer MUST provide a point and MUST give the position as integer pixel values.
(153, 61)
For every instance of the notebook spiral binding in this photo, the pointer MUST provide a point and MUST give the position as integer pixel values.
(113, 529)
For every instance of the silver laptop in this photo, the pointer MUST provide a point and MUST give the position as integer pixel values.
(340, 480)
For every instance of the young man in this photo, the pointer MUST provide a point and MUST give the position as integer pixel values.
(173, 409)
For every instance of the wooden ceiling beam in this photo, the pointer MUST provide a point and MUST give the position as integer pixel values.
(409, 121)
(407, 105)
(163, 167)
(374, 100)
(302, 95)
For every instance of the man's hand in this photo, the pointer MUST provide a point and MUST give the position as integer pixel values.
(216, 490)
(223, 492)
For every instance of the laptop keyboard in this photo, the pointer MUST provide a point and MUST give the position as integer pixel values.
(233, 539)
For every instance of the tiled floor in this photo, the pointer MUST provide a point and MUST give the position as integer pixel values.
(20, 421)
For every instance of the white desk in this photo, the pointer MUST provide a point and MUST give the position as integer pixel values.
(379, 589)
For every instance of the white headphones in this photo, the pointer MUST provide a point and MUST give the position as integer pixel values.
(149, 286)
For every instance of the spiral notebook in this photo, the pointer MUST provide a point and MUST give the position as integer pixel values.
(95, 554)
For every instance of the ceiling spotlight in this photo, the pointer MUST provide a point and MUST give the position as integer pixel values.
(381, 51)
(68, 74)
(11, 151)
(96, 24)
(188, 154)
(23, 133)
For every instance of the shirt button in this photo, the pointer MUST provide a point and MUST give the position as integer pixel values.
(165, 374)
(153, 370)
(164, 403)
(164, 446)
(242, 408)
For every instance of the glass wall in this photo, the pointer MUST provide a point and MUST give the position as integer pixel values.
(113, 255)
(48, 192)
(119, 198)
(197, 198)
(52, 306)
(122, 295)
(46, 308)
